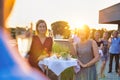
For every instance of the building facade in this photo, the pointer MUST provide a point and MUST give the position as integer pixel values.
(110, 15)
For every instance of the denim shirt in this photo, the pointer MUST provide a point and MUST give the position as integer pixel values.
(115, 46)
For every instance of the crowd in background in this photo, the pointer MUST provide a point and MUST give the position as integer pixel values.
(108, 43)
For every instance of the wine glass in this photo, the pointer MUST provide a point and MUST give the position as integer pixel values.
(24, 40)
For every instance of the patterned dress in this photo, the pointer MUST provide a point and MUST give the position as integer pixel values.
(85, 54)
(37, 49)
(105, 50)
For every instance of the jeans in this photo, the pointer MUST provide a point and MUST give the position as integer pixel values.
(116, 62)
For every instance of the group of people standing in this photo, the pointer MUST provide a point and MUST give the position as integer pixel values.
(90, 51)
(103, 46)
(110, 48)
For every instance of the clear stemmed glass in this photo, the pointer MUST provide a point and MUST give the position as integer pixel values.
(24, 40)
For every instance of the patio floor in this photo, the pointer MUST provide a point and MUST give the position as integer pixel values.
(108, 76)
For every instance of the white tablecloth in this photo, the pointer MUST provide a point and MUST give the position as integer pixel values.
(59, 65)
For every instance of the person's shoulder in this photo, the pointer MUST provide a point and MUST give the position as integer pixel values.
(92, 41)
(101, 40)
(49, 38)
(119, 38)
(34, 36)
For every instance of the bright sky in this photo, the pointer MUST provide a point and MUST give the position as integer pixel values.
(75, 12)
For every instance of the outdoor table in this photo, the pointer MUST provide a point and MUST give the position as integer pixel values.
(59, 65)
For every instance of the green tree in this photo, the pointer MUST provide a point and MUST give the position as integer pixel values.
(61, 28)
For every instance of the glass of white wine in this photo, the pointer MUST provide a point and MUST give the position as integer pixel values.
(24, 40)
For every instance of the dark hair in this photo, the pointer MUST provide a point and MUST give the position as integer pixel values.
(114, 32)
(38, 22)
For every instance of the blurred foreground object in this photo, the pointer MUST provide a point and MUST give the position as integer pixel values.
(24, 40)
(12, 65)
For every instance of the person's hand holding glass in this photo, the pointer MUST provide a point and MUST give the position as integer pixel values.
(24, 39)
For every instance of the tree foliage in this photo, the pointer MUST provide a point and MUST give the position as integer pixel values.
(61, 28)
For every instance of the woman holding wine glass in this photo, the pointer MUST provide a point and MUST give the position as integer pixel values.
(12, 65)
(87, 55)
(41, 46)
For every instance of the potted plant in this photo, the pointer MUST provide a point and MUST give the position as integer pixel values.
(63, 51)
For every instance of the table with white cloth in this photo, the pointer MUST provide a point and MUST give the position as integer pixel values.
(59, 65)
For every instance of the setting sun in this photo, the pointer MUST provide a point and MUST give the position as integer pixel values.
(76, 24)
